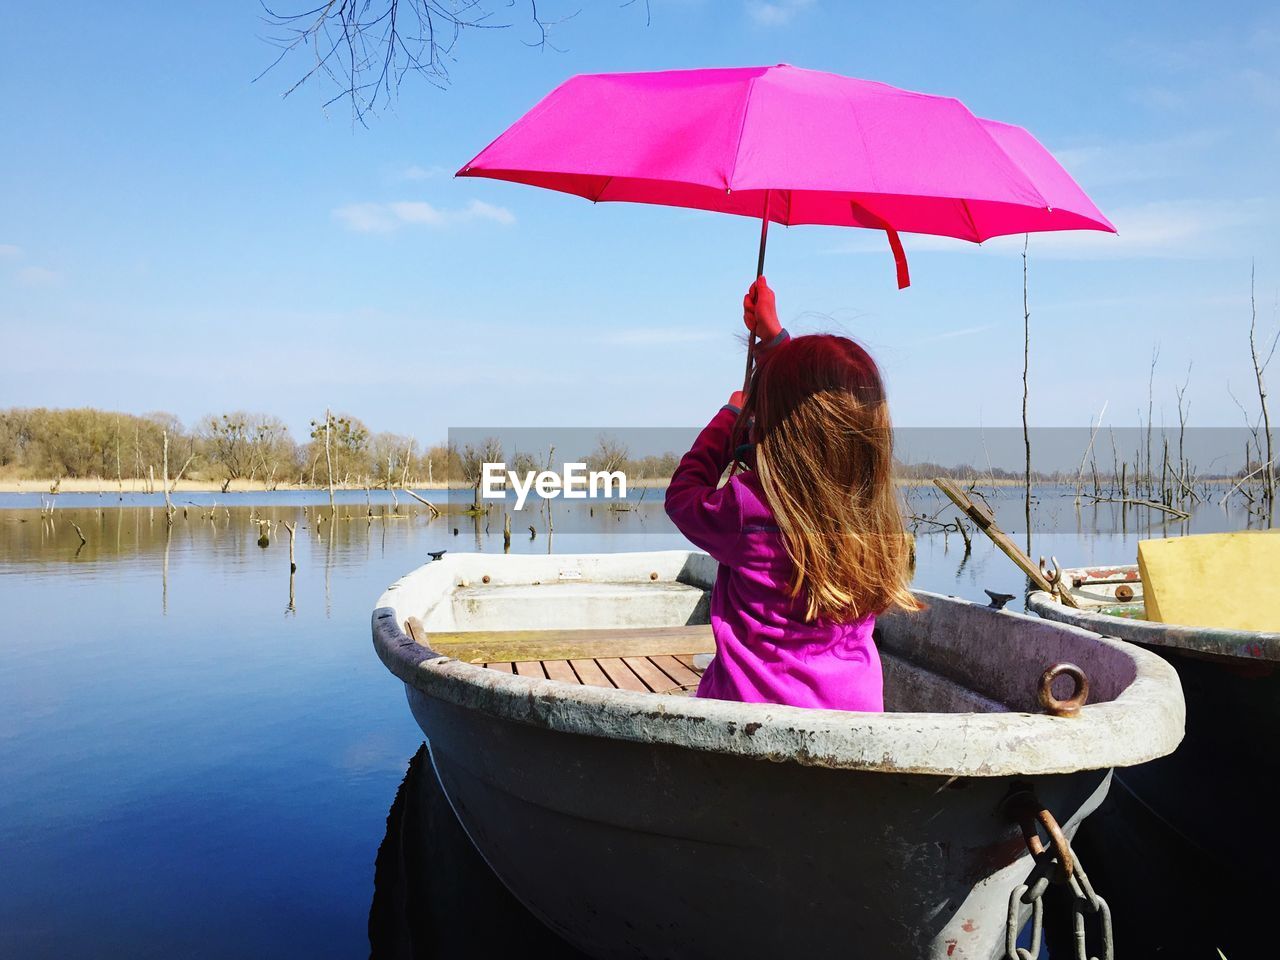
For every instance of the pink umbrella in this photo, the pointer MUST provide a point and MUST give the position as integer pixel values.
(792, 146)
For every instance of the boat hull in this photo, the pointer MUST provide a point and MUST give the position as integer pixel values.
(433, 894)
(630, 849)
(1177, 834)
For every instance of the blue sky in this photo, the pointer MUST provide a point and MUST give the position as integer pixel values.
(174, 236)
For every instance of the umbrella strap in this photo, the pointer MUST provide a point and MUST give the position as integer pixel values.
(899, 258)
(866, 218)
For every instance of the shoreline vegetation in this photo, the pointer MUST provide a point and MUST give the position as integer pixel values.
(54, 450)
(48, 486)
(48, 451)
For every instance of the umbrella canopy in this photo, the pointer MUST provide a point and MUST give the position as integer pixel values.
(792, 146)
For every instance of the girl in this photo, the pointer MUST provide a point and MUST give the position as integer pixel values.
(809, 539)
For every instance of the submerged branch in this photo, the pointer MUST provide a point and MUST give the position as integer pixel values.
(1139, 502)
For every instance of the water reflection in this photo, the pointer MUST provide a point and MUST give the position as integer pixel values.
(72, 527)
(225, 537)
(434, 896)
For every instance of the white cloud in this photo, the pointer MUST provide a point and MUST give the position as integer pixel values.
(37, 276)
(417, 211)
(776, 13)
(386, 217)
(1229, 65)
(1262, 85)
(1106, 164)
(29, 275)
(1173, 229)
(365, 217)
(479, 210)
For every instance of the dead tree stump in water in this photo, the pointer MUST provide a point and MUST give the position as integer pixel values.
(292, 529)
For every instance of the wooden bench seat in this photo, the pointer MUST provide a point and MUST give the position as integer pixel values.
(644, 659)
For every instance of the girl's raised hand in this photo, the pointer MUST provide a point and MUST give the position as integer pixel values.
(760, 311)
(737, 399)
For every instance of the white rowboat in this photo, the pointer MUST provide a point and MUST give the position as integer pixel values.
(635, 822)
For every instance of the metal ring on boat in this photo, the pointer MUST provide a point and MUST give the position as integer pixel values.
(1061, 848)
(1027, 810)
(1079, 696)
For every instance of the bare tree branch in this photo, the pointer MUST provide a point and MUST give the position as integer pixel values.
(1259, 368)
(648, 17)
(366, 48)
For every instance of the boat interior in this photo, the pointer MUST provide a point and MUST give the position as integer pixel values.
(1115, 590)
(649, 635)
(643, 626)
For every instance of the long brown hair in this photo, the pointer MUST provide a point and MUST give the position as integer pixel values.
(824, 454)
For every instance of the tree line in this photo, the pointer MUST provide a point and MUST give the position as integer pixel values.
(223, 447)
(87, 443)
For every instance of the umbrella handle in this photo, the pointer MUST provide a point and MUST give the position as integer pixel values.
(751, 336)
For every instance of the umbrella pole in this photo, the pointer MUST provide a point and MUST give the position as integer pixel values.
(751, 336)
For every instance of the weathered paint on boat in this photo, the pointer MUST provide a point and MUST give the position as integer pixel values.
(1177, 835)
(1097, 588)
(637, 824)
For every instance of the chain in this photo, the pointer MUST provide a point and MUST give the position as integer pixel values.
(1057, 863)
(1086, 900)
(1031, 893)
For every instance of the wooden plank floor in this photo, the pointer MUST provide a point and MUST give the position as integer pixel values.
(644, 659)
(660, 673)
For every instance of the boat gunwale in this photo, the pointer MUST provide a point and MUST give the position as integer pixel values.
(1144, 722)
(1241, 645)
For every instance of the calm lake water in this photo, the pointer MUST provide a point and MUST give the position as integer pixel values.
(198, 752)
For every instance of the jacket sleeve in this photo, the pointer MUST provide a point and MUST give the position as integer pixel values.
(782, 336)
(708, 515)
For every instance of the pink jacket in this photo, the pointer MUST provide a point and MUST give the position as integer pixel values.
(765, 652)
